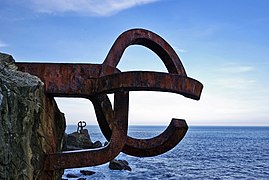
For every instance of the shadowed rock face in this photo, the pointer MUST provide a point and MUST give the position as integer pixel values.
(119, 165)
(79, 140)
(31, 124)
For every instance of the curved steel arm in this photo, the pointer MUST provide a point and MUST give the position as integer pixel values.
(150, 81)
(150, 40)
(160, 144)
(93, 157)
(140, 147)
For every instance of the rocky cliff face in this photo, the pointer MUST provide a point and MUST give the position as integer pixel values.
(31, 124)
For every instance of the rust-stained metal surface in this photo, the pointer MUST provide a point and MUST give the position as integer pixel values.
(95, 81)
(82, 158)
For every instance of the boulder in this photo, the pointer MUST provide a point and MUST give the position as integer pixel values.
(87, 172)
(79, 140)
(70, 175)
(106, 143)
(119, 165)
(31, 124)
(80, 175)
(97, 144)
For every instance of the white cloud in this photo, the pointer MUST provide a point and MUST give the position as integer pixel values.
(237, 69)
(238, 83)
(90, 7)
(2, 44)
(180, 50)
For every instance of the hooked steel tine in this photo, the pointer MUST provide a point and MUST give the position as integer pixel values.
(93, 157)
(162, 143)
(104, 113)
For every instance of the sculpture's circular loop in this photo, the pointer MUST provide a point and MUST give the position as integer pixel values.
(150, 40)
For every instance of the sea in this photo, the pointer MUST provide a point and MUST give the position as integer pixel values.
(206, 152)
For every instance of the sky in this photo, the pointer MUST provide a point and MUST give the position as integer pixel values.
(222, 44)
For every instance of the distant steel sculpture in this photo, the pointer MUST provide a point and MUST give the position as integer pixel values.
(81, 125)
(95, 81)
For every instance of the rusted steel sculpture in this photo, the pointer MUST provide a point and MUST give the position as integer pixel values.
(95, 81)
(81, 125)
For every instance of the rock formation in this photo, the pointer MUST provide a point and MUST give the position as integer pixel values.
(79, 140)
(31, 124)
(119, 165)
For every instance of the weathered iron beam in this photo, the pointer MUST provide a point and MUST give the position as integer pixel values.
(76, 80)
(93, 157)
(95, 81)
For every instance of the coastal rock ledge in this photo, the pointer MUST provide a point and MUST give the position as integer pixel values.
(31, 124)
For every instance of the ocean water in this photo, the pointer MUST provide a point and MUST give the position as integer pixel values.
(204, 153)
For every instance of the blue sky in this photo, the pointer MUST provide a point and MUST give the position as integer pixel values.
(223, 44)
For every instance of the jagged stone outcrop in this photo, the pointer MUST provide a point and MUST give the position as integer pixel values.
(119, 165)
(31, 124)
(79, 140)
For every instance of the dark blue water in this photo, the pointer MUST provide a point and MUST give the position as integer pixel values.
(204, 153)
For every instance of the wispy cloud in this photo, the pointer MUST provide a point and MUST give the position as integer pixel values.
(238, 83)
(237, 69)
(89, 7)
(201, 30)
(3, 44)
(180, 50)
